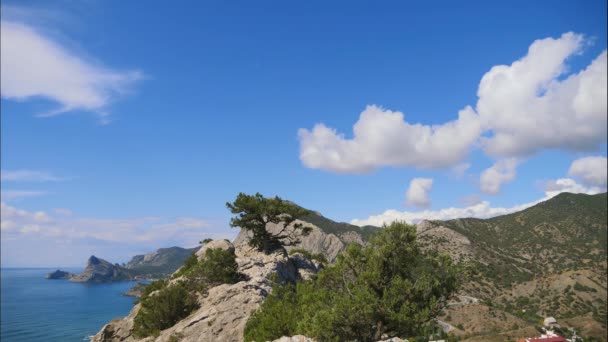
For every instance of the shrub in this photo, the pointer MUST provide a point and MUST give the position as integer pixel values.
(163, 309)
(218, 267)
(312, 256)
(388, 287)
(172, 303)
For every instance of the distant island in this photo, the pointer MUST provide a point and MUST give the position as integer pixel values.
(59, 274)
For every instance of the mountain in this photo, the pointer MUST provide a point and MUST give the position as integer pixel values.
(327, 237)
(160, 263)
(547, 260)
(102, 271)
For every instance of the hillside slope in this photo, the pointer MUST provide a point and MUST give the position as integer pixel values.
(160, 263)
(547, 260)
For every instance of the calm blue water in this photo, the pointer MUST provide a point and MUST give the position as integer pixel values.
(37, 309)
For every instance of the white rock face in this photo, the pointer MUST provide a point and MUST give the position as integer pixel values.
(221, 244)
(225, 309)
(317, 241)
(297, 338)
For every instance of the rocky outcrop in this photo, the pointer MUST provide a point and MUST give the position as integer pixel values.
(136, 291)
(317, 241)
(102, 271)
(297, 338)
(224, 309)
(59, 274)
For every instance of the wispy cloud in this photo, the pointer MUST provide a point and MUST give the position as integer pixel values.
(8, 195)
(115, 238)
(28, 176)
(35, 65)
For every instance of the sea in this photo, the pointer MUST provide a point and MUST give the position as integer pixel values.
(37, 309)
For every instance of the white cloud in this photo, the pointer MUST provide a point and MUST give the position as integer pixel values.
(591, 170)
(60, 238)
(136, 230)
(8, 195)
(528, 107)
(471, 200)
(558, 186)
(34, 65)
(418, 192)
(382, 137)
(480, 210)
(459, 170)
(27, 176)
(522, 108)
(492, 178)
(62, 211)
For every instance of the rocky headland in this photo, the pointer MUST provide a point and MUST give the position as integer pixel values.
(102, 271)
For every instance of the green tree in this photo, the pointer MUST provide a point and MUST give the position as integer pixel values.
(389, 287)
(254, 212)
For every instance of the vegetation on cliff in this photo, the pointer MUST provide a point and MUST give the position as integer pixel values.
(254, 212)
(389, 287)
(165, 303)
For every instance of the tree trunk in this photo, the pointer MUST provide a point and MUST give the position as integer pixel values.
(379, 330)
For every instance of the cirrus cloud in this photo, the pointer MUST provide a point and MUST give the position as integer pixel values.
(34, 65)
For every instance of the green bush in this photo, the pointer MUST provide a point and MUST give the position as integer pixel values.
(218, 267)
(312, 256)
(171, 303)
(388, 287)
(163, 309)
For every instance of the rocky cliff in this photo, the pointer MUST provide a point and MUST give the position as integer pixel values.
(102, 271)
(327, 237)
(224, 309)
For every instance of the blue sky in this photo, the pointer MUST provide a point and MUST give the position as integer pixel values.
(154, 116)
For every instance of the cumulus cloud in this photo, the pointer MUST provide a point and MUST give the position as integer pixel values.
(591, 170)
(27, 176)
(482, 209)
(418, 192)
(558, 186)
(528, 107)
(522, 108)
(384, 138)
(492, 178)
(459, 170)
(34, 65)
